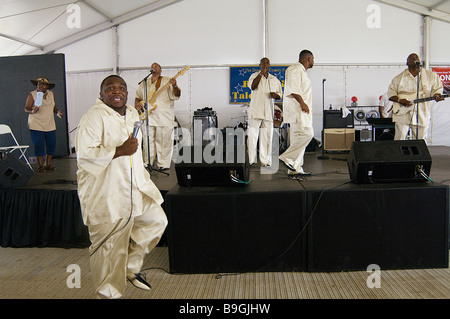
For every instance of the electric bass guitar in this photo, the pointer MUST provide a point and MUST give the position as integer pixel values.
(153, 95)
(399, 109)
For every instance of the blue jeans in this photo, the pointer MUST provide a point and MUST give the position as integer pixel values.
(42, 141)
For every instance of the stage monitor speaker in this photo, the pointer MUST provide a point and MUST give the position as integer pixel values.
(14, 172)
(222, 165)
(389, 161)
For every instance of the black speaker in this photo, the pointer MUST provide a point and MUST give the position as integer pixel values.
(389, 161)
(334, 119)
(218, 165)
(14, 172)
(382, 134)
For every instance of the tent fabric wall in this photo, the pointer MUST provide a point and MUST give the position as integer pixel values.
(439, 45)
(338, 32)
(197, 32)
(210, 35)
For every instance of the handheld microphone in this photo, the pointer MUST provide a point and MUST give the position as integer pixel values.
(137, 126)
(418, 64)
(39, 96)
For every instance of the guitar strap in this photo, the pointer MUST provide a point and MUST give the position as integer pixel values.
(158, 83)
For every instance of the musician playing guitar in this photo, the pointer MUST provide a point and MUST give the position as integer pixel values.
(403, 92)
(161, 116)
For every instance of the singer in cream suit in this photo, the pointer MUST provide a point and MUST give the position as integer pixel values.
(297, 111)
(161, 120)
(119, 203)
(265, 88)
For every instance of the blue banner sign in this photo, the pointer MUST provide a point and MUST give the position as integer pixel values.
(239, 91)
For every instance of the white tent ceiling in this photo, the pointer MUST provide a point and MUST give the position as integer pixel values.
(34, 27)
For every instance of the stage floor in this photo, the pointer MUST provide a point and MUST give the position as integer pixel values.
(325, 173)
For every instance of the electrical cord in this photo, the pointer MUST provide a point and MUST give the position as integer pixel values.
(220, 275)
(423, 174)
(237, 180)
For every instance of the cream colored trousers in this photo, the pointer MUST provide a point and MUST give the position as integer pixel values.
(299, 140)
(401, 131)
(264, 130)
(118, 249)
(161, 145)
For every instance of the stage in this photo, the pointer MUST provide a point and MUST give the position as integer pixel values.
(323, 222)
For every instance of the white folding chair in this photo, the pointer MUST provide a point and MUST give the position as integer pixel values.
(5, 129)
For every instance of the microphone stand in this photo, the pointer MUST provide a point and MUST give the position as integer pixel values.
(149, 166)
(417, 103)
(323, 156)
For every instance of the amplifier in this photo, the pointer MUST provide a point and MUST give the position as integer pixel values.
(338, 139)
(334, 119)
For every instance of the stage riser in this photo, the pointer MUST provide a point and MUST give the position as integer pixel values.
(402, 228)
(44, 218)
(351, 228)
(211, 233)
(234, 232)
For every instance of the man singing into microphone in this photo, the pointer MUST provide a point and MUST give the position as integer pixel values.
(119, 203)
(265, 89)
(403, 91)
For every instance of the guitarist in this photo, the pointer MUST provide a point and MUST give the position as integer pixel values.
(403, 92)
(161, 119)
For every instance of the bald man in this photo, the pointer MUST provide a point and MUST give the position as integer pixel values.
(403, 91)
(265, 89)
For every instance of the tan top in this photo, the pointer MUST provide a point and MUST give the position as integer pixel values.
(43, 120)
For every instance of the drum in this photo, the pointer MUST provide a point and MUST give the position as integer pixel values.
(277, 118)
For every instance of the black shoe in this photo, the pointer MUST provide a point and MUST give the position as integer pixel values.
(295, 174)
(289, 167)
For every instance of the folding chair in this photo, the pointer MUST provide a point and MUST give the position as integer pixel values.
(5, 129)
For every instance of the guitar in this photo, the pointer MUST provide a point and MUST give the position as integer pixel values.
(399, 109)
(153, 95)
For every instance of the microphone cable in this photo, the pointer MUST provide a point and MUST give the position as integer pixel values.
(129, 217)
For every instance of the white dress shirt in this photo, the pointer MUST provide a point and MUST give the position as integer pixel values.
(261, 103)
(297, 82)
(404, 85)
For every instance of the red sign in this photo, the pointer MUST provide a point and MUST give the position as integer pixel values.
(444, 75)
